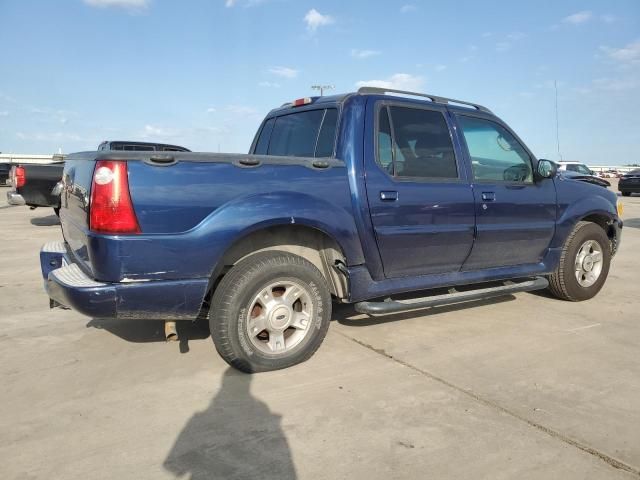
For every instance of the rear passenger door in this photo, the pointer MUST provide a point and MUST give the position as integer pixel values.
(420, 201)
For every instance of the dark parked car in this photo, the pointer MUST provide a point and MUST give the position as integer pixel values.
(117, 145)
(5, 168)
(349, 198)
(630, 183)
(34, 185)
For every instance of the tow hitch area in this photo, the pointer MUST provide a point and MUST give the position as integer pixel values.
(454, 296)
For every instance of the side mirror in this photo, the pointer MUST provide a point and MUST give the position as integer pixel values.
(546, 168)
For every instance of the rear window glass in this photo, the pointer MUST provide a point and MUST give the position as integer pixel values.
(327, 136)
(304, 134)
(262, 146)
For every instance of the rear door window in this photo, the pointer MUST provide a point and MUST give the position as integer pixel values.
(415, 143)
(304, 134)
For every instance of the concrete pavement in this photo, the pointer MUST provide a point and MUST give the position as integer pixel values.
(522, 387)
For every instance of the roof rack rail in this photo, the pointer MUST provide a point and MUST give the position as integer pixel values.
(433, 98)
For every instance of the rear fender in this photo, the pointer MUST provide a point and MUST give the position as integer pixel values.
(244, 216)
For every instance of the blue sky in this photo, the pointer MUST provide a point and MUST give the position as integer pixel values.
(202, 73)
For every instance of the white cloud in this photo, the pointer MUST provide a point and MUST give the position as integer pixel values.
(510, 39)
(269, 84)
(578, 18)
(153, 131)
(487, 34)
(616, 84)
(49, 136)
(4, 114)
(408, 8)
(516, 36)
(284, 72)
(608, 18)
(548, 84)
(133, 5)
(440, 68)
(355, 53)
(629, 54)
(247, 3)
(398, 81)
(242, 110)
(211, 110)
(315, 19)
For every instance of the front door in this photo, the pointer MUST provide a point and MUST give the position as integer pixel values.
(420, 201)
(515, 214)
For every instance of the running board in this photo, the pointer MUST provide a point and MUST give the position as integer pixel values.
(395, 306)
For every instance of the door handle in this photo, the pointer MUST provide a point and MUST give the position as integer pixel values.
(388, 196)
(488, 196)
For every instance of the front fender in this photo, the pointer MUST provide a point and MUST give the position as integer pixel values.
(570, 214)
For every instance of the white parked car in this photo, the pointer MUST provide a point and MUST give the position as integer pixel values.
(575, 167)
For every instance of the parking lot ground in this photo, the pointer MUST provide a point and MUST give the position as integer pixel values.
(521, 387)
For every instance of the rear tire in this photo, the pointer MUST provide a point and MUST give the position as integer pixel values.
(270, 311)
(584, 264)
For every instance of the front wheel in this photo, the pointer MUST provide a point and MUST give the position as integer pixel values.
(584, 264)
(270, 311)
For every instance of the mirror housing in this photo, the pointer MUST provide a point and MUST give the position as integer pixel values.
(546, 169)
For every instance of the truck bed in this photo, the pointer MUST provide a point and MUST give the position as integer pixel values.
(189, 204)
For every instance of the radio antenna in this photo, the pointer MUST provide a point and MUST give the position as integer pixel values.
(555, 84)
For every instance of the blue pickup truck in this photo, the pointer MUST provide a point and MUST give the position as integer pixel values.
(354, 198)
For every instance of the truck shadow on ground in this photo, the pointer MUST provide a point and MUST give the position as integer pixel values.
(346, 314)
(145, 331)
(48, 221)
(236, 437)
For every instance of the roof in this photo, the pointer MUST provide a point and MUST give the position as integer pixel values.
(340, 98)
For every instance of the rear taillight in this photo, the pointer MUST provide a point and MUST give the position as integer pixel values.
(111, 209)
(18, 177)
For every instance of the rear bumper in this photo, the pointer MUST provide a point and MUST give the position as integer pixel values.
(68, 285)
(14, 198)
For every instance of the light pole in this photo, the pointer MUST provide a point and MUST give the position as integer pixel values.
(322, 88)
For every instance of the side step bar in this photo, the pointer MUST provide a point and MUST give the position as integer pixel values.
(395, 306)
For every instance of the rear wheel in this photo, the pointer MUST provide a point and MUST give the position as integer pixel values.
(270, 311)
(584, 264)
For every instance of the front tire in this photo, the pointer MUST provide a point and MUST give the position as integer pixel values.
(584, 264)
(270, 311)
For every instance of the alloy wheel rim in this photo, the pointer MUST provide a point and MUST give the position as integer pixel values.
(588, 263)
(279, 317)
